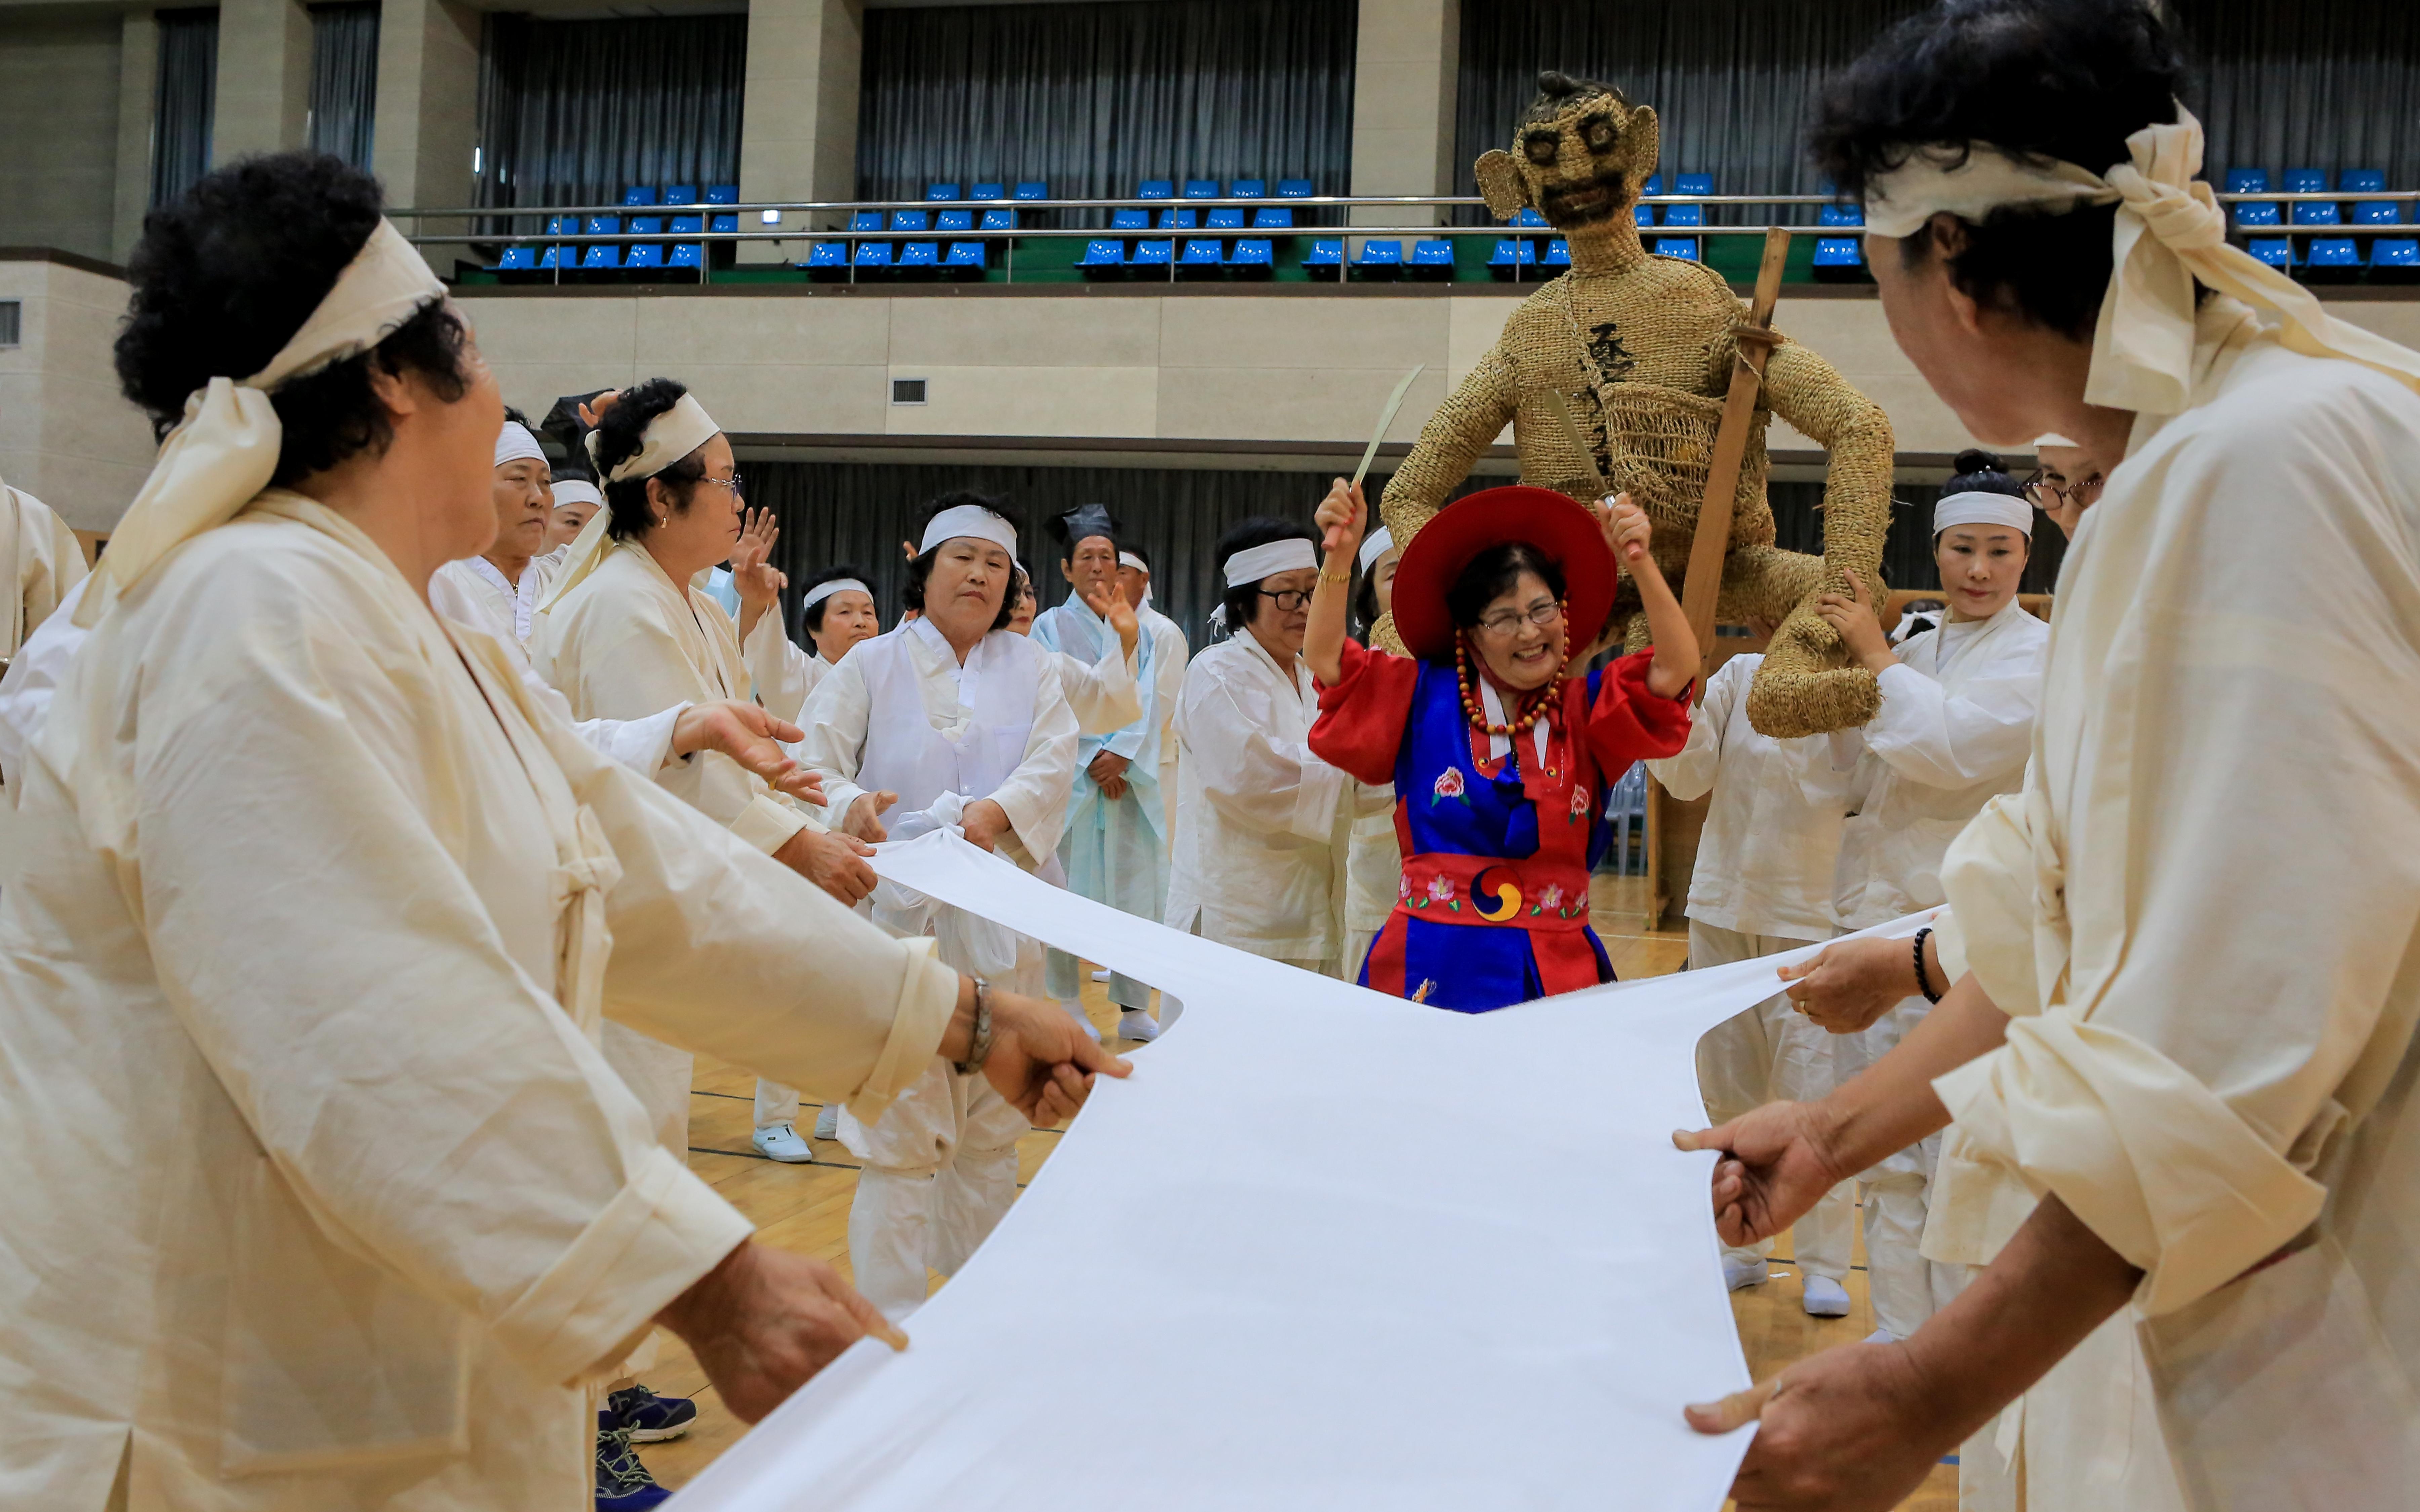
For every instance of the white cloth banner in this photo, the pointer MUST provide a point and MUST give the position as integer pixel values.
(1269, 1256)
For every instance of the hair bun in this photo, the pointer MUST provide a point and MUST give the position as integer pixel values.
(1975, 459)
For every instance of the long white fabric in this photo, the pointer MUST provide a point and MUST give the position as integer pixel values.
(40, 564)
(1310, 1319)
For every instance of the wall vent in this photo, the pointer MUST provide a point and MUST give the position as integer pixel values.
(907, 390)
(12, 323)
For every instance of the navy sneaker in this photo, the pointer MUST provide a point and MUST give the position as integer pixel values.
(623, 1484)
(650, 1418)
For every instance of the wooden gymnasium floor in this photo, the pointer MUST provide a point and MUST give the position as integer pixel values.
(805, 1207)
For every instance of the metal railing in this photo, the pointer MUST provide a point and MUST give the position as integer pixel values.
(843, 211)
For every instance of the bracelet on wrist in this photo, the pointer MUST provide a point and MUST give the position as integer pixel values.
(979, 1041)
(1924, 977)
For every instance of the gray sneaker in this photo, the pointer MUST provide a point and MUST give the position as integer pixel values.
(827, 1122)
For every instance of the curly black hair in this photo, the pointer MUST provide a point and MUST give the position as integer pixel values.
(621, 433)
(1243, 599)
(2065, 80)
(227, 272)
(920, 569)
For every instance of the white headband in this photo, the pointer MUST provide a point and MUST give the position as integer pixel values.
(1374, 546)
(224, 451)
(2170, 232)
(838, 585)
(1255, 563)
(972, 521)
(1128, 559)
(2052, 439)
(577, 491)
(1982, 509)
(514, 444)
(668, 436)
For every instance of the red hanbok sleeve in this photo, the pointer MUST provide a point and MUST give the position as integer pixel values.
(1631, 722)
(1363, 714)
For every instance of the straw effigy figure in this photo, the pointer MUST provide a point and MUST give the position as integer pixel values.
(1640, 347)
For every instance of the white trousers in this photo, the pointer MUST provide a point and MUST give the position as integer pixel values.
(775, 1103)
(1906, 1288)
(1773, 1052)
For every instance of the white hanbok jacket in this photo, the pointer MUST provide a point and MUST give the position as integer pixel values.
(326, 1197)
(1261, 824)
(1765, 857)
(1956, 724)
(473, 592)
(40, 564)
(2204, 913)
(626, 642)
(1170, 656)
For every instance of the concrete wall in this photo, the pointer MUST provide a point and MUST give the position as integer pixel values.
(59, 122)
(66, 437)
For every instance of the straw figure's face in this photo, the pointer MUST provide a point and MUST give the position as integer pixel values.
(1578, 159)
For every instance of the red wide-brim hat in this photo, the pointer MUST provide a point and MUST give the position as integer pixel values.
(1559, 528)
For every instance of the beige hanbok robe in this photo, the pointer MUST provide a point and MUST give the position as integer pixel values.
(323, 1196)
(40, 560)
(2203, 912)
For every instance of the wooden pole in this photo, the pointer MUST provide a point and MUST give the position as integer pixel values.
(1755, 338)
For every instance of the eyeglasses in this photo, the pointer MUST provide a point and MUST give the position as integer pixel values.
(1289, 599)
(2083, 491)
(731, 482)
(1509, 623)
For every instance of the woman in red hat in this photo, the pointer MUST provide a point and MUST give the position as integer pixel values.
(1501, 755)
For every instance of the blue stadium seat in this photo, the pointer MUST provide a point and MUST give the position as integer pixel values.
(1179, 219)
(603, 226)
(1157, 189)
(1642, 215)
(1380, 259)
(941, 191)
(2276, 251)
(1032, 189)
(873, 258)
(1842, 215)
(729, 222)
(555, 258)
(1151, 255)
(680, 194)
(1325, 258)
(2395, 260)
(1199, 258)
(2332, 260)
(986, 193)
(1839, 260)
(647, 225)
(1000, 220)
(687, 254)
(918, 259)
(635, 194)
(1655, 184)
(722, 193)
(1102, 258)
(2378, 212)
(1227, 218)
(2257, 214)
(1247, 189)
(1688, 215)
(1528, 219)
(827, 261)
(601, 257)
(910, 220)
(1293, 188)
(2247, 181)
(2306, 181)
(2363, 181)
(644, 255)
(865, 221)
(1557, 257)
(2317, 213)
(1202, 188)
(1253, 257)
(1694, 183)
(1686, 247)
(1432, 259)
(950, 221)
(1512, 255)
(1272, 218)
(521, 259)
(688, 225)
(561, 225)
(967, 260)
(1130, 219)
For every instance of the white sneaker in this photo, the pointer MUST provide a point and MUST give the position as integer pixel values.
(1083, 1021)
(781, 1141)
(1101, 976)
(1138, 1026)
(1739, 1274)
(1826, 1297)
(827, 1122)
(1882, 1335)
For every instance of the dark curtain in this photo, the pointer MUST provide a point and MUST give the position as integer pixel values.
(1731, 80)
(2319, 83)
(574, 112)
(344, 79)
(1094, 98)
(835, 513)
(1907, 551)
(186, 96)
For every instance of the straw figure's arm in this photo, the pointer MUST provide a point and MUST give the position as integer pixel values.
(1481, 406)
(1805, 686)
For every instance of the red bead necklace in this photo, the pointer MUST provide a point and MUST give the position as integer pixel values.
(1538, 706)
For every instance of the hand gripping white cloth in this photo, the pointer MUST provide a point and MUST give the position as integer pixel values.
(1346, 1309)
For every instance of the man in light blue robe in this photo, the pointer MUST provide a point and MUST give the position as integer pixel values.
(1113, 849)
